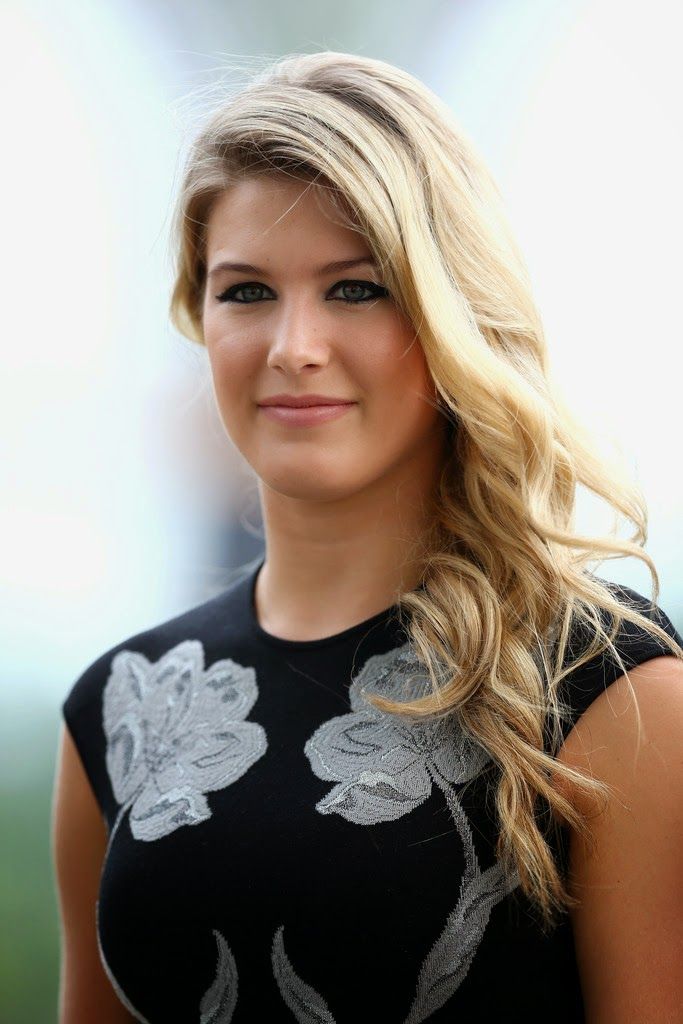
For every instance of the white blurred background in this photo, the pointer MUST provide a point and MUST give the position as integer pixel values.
(121, 503)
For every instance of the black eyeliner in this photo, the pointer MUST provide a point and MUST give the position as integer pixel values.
(379, 291)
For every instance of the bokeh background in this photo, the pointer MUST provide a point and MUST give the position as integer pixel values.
(122, 502)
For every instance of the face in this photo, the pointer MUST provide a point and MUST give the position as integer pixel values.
(292, 326)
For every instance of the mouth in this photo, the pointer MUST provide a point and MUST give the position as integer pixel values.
(305, 415)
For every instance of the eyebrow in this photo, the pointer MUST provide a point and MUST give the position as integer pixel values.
(329, 268)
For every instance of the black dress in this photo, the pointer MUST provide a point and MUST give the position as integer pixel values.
(279, 850)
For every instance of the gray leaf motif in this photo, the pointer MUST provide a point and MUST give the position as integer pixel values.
(384, 766)
(305, 1003)
(449, 959)
(219, 1001)
(175, 732)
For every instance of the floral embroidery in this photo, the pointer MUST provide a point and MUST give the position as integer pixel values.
(449, 959)
(219, 1000)
(176, 731)
(307, 1006)
(383, 767)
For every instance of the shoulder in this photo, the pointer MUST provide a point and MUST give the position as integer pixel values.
(628, 925)
(634, 645)
(640, 713)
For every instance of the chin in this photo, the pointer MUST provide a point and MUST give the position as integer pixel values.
(311, 484)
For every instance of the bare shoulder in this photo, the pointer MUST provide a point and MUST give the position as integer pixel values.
(628, 928)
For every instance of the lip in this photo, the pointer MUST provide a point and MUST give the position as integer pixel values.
(307, 415)
(301, 401)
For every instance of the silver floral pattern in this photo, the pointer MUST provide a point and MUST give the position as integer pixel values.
(383, 767)
(220, 999)
(176, 731)
(305, 1003)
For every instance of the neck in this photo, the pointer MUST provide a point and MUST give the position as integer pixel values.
(332, 564)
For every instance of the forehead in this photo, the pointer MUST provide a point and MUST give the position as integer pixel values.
(269, 210)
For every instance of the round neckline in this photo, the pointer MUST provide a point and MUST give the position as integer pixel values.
(303, 645)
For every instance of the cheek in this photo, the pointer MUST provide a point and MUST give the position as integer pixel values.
(397, 376)
(233, 359)
(416, 410)
(233, 367)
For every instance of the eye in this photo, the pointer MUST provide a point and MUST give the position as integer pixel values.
(376, 291)
(252, 292)
(230, 294)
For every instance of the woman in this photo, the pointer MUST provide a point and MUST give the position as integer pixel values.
(419, 762)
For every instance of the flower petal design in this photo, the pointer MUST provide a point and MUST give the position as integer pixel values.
(175, 732)
(398, 674)
(346, 745)
(125, 756)
(172, 684)
(153, 815)
(376, 796)
(384, 765)
(305, 1003)
(218, 757)
(219, 1001)
(229, 692)
(456, 756)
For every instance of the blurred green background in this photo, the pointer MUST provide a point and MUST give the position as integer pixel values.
(29, 966)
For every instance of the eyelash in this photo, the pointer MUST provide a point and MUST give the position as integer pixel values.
(378, 292)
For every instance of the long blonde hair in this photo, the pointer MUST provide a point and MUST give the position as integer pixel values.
(505, 574)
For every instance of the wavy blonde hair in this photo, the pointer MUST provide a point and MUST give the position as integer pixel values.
(505, 576)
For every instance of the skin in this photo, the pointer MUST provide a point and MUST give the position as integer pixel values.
(628, 927)
(344, 502)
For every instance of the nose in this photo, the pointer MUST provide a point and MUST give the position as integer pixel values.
(299, 337)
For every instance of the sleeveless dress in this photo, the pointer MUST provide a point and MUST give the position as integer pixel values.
(279, 850)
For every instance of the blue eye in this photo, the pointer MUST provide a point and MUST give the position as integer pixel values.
(231, 294)
(376, 291)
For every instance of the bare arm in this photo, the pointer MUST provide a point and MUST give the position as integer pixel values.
(79, 842)
(628, 931)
